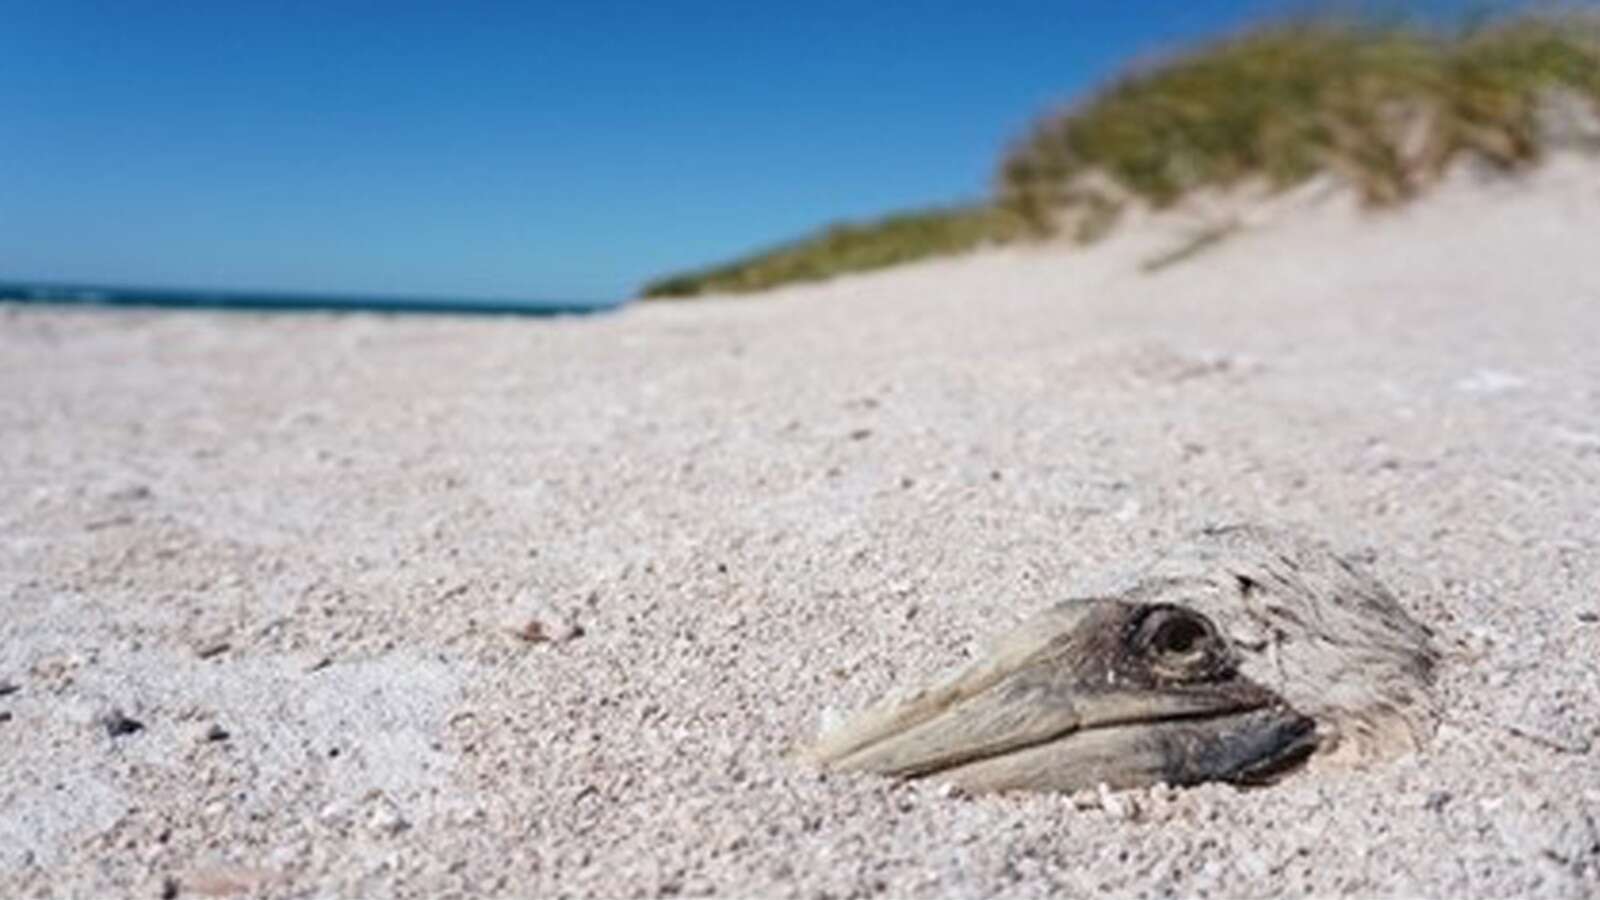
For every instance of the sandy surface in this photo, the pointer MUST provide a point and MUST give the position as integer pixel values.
(295, 550)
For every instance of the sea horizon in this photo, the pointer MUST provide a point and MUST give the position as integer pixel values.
(253, 300)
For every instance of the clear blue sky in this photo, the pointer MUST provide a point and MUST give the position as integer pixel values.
(521, 150)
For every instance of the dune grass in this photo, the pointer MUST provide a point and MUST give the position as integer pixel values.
(849, 247)
(1386, 107)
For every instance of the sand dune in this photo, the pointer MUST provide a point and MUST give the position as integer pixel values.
(306, 554)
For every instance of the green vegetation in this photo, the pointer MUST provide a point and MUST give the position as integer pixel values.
(849, 248)
(1386, 107)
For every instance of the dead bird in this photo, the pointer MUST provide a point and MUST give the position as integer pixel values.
(1236, 658)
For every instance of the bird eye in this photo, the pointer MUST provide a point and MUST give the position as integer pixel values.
(1179, 642)
(1179, 635)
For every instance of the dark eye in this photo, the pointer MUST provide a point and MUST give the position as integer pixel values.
(1179, 635)
(1181, 643)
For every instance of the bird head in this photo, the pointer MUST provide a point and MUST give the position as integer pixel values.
(1233, 658)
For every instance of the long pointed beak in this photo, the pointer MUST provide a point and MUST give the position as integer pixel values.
(1071, 701)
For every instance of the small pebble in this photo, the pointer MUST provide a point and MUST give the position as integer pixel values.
(1117, 806)
(170, 888)
(216, 733)
(7, 687)
(1589, 616)
(386, 819)
(532, 632)
(5, 715)
(119, 725)
(331, 814)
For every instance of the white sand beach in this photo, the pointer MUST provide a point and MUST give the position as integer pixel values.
(298, 551)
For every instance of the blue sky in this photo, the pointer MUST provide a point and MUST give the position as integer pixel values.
(516, 150)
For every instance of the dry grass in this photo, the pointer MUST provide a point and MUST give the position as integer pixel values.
(849, 248)
(1388, 108)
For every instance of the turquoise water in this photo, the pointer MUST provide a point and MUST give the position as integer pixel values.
(283, 301)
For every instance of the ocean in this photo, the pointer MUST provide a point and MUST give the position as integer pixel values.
(285, 301)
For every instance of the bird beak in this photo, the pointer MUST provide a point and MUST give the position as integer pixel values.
(1092, 692)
